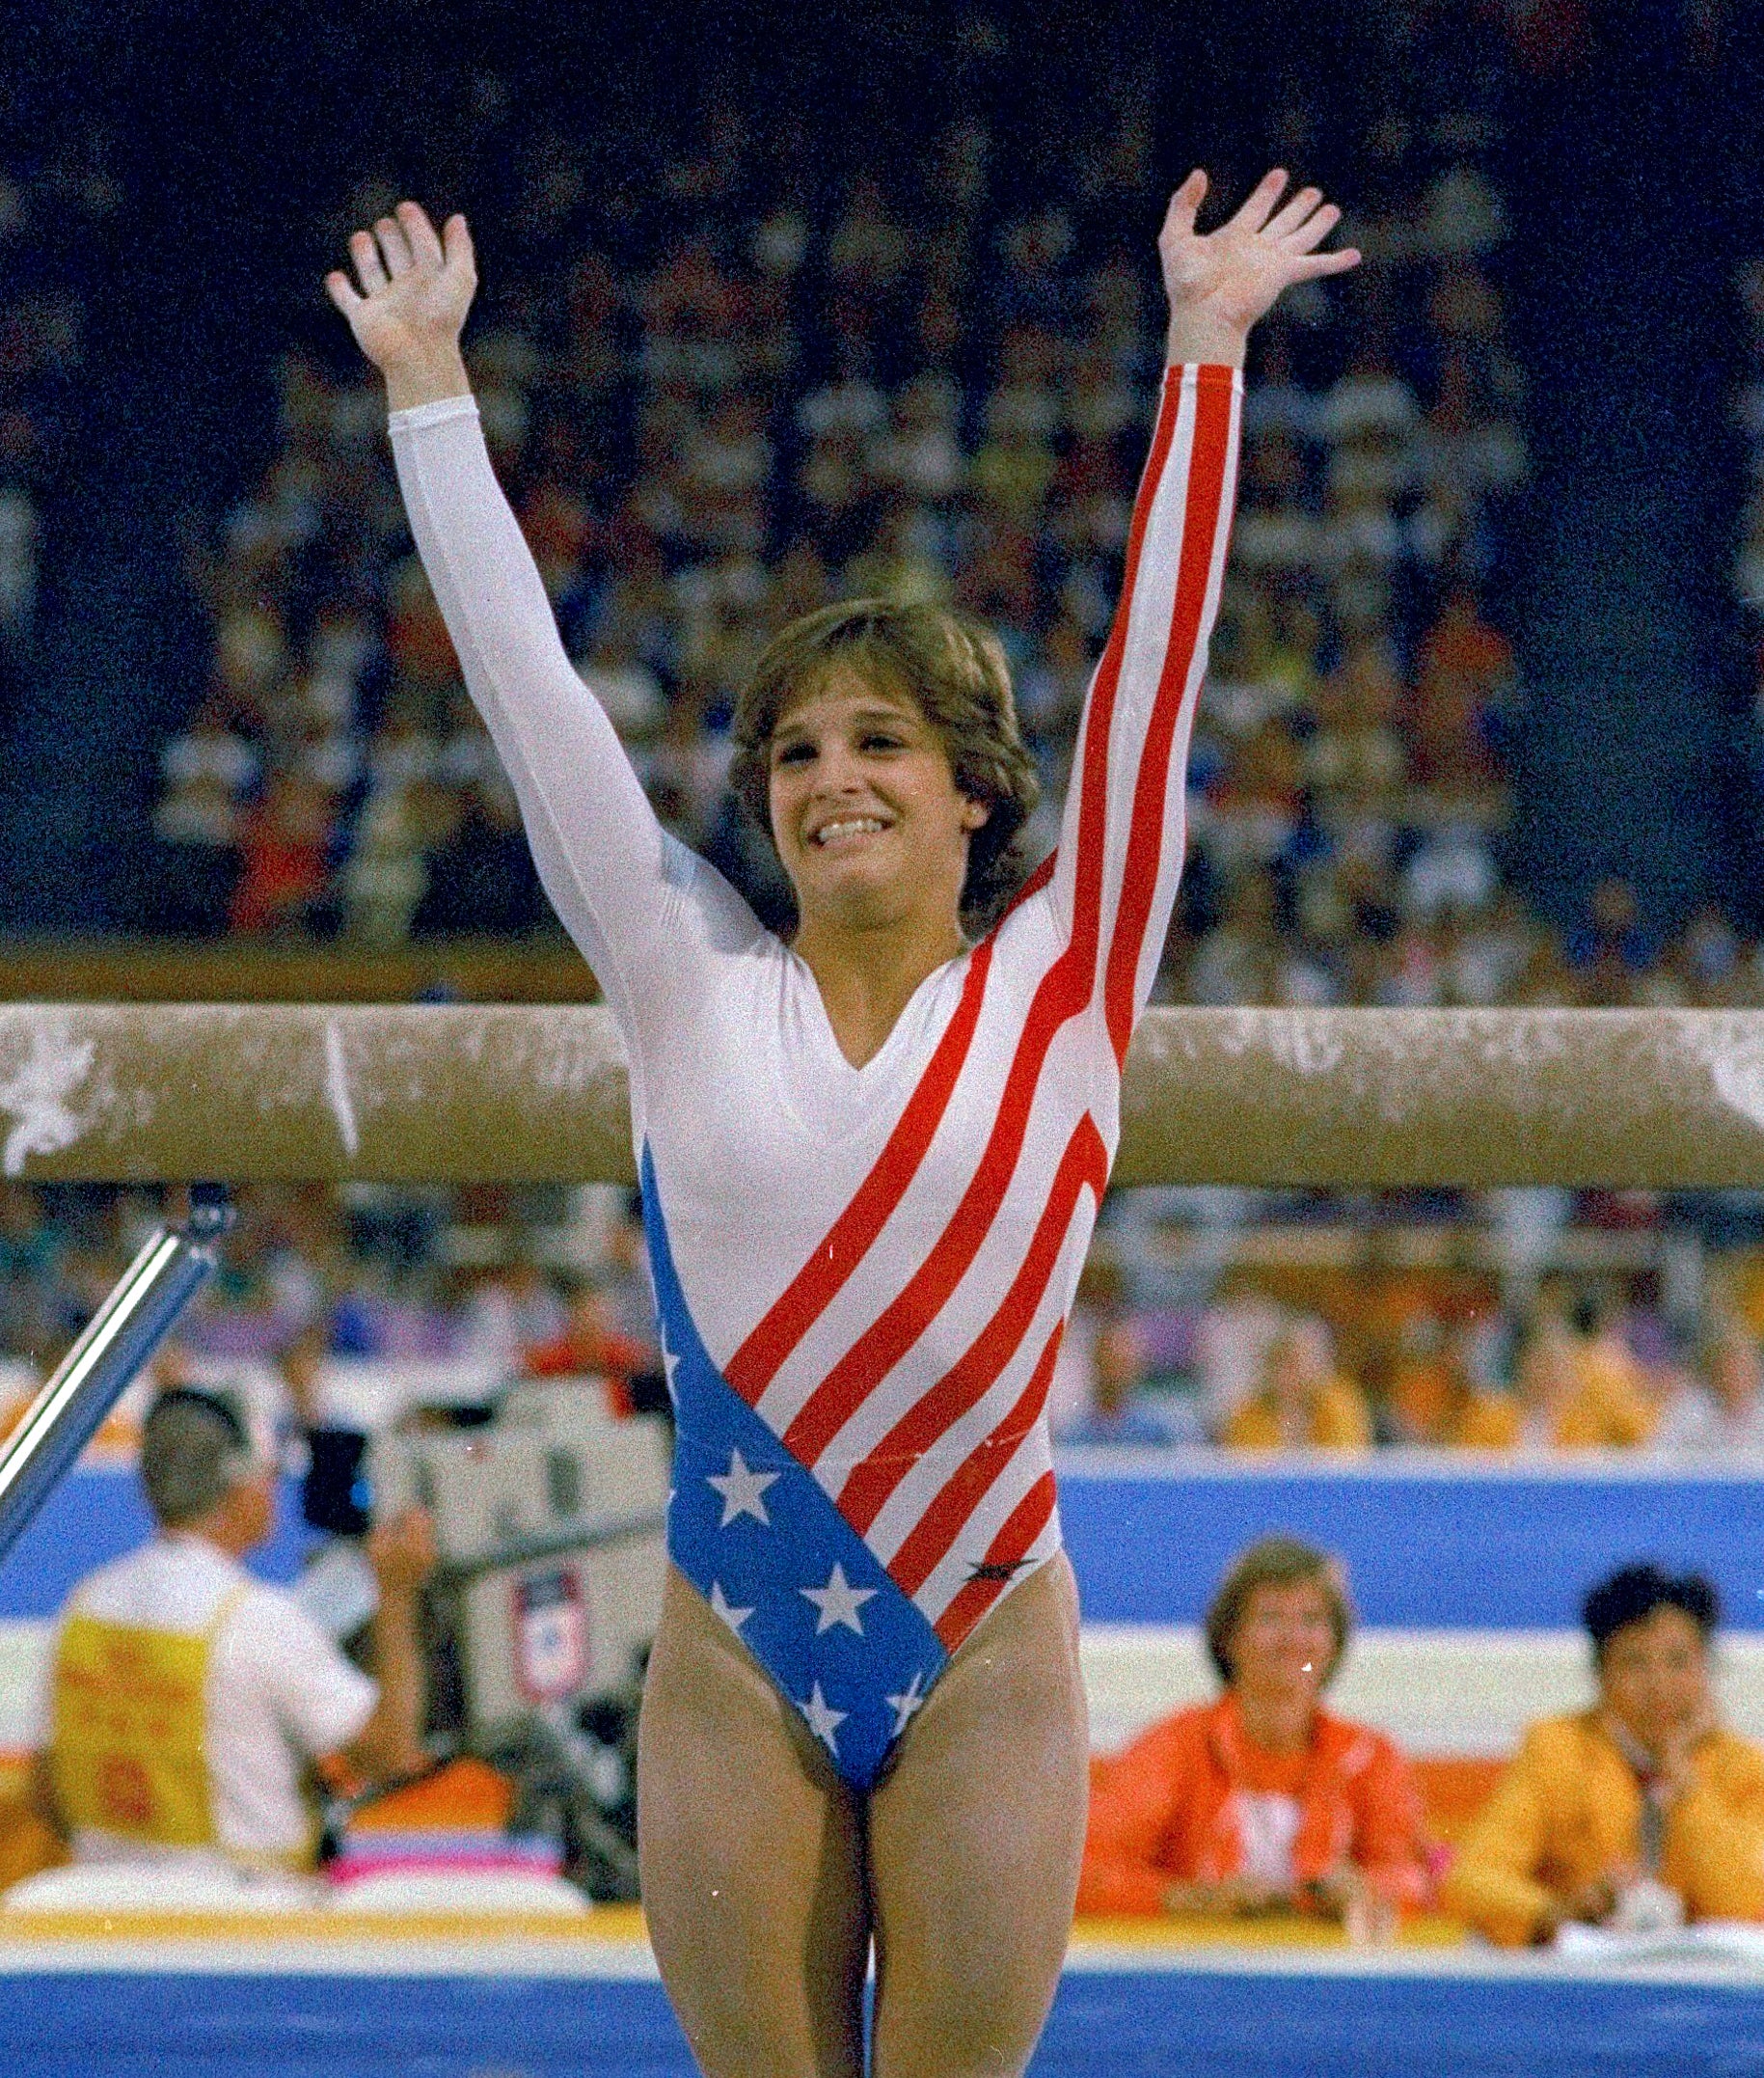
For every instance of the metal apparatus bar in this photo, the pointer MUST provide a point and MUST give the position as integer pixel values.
(119, 1339)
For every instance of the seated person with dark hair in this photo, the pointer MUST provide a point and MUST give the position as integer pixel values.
(189, 1703)
(1638, 1812)
(1262, 1801)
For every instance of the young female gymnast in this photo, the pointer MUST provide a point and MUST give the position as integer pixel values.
(871, 1158)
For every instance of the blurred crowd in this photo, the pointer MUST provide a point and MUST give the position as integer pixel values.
(1519, 1322)
(717, 422)
(721, 416)
(57, 211)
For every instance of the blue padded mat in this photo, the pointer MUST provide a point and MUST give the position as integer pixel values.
(1174, 2024)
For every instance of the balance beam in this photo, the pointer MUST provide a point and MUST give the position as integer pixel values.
(1366, 1099)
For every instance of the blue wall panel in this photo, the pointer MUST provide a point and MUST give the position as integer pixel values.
(1504, 1552)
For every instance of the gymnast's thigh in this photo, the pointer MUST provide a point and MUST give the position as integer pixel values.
(751, 1858)
(975, 1839)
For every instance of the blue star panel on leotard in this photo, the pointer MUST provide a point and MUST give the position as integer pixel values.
(761, 1541)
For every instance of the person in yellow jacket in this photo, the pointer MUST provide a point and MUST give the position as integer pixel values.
(1305, 1404)
(188, 1703)
(1581, 1389)
(1641, 1811)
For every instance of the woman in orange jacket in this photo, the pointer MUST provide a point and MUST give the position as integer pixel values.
(1639, 1812)
(1262, 1801)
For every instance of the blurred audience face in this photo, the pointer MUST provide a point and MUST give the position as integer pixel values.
(1654, 1677)
(1300, 1363)
(1283, 1648)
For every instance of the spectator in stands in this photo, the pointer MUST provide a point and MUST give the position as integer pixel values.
(1101, 1362)
(1262, 1801)
(1641, 1811)
(284, 843)
(1722, 1409)
(1438, 1396)
(1117, 1413)
(1306, 1403)
(188, 1702)
(591, 1344)
(1578, 1386)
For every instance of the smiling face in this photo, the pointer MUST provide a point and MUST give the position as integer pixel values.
(1282, 1646)
(865, 811)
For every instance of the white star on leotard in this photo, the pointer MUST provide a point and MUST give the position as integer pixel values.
(741, 1491)
(838, 1601)
(823, 1719)
(670, 1363)
(719, 1607)
(908, 1704)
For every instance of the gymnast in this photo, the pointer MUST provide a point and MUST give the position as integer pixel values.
(871, 1156)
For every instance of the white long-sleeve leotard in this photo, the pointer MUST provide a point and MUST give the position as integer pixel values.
(863, 1272)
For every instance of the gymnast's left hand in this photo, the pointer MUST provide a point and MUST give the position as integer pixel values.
(1221, 283)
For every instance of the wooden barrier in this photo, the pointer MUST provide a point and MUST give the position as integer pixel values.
(1345, 1098)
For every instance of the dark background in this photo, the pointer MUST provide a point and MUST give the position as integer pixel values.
(211, 155)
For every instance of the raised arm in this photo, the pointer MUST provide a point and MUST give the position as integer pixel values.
(634, 899)
(1120, 845)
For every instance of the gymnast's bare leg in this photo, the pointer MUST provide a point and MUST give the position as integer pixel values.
(765, 1877)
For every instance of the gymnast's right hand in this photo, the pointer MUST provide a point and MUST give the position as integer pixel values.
(414, 289)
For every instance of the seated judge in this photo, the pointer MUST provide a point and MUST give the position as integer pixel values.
(1641, 1812)
(1261, 1800)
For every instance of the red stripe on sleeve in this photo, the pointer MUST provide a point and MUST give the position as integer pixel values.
(1021, 1527)
(866, 1491)
(944, 1520)
(815, 1286)
(1098, 725)
(1208, 468)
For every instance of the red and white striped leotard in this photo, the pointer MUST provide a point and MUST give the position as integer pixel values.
(862, 1274)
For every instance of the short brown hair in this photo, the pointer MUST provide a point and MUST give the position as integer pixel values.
(954, 672)
(195, 1449)
(1276, 1562)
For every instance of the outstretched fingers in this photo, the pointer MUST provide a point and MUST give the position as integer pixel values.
(1311, 233)
(369, 267)
(1285, 222)
(1307, 267)
(1258, 206)
(1185, 202)
(394, 247)
(456, 243)
(419, 235)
